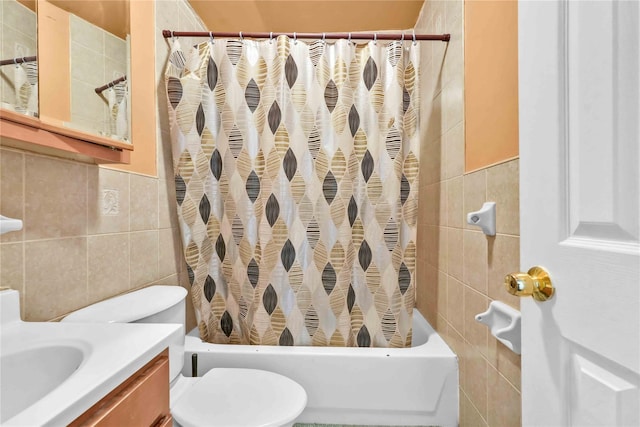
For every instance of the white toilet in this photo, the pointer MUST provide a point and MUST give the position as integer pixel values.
(223, 396)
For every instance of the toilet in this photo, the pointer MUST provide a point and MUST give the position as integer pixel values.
(223, 396)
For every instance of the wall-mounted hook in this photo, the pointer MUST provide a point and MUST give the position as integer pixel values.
(9, 224)
(485, 218)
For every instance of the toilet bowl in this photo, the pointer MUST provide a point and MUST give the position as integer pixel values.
(262, 398)
(221, 397)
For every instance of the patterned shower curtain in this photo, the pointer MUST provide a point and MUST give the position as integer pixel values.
(296, 170)
(26, 88)
(116, 97)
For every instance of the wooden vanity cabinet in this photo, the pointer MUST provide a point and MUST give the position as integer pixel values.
(142, 400)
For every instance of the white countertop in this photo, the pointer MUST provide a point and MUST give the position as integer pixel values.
(112, 353)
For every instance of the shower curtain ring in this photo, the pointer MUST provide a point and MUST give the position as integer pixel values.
(402, 38)
(211, 37)
(349, 39)
(414, 37)
(375, 39)
(271, 37)
(241, 37)
(295, 38)
(324, 38)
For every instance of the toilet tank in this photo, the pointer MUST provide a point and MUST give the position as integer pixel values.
(154, 304)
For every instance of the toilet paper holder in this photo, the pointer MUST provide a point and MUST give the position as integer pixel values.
(504, 323)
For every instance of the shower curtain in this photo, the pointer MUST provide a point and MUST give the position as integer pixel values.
(296, 171)
(116, 97)
(26, 88)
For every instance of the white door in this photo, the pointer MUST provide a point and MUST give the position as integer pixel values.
(579, 71)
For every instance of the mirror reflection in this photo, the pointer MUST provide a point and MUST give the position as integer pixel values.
(97, 64)
(18, 64)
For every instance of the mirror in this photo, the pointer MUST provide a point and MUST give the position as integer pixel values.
(84, 82)
(18, 50)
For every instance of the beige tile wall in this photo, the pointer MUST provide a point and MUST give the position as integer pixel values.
(460, 269)
(90, 232)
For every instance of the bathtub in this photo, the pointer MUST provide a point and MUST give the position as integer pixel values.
(370, 386)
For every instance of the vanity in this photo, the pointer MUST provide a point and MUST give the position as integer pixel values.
(83, 374)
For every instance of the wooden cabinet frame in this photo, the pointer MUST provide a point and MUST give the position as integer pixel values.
(16, 129)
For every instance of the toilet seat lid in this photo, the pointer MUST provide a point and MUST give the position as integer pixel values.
(240, 397)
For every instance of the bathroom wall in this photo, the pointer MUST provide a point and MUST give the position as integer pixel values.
(460, 269)
(491, 82)
(90, 232)
(17, 38)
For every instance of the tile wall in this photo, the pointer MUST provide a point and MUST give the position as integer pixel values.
(91, 232)
(460, 269)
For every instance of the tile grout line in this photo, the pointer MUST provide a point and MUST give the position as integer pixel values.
(482, 356)
(473, 405)
(23, 160)
(129, 232)
(86, 212)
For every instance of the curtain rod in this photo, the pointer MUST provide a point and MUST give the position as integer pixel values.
(18, 60)
(101, 89)
(350, 36)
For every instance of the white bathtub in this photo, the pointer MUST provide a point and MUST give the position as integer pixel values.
(371, 386)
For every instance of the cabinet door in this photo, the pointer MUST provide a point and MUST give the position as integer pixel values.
(142, 400)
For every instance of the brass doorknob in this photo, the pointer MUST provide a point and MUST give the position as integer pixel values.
(535, 282)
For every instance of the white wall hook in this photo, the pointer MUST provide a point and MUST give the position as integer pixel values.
(485, 218)
(9, 224)
(504, 323)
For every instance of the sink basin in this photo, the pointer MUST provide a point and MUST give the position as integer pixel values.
(30, 374)
(51, 372)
